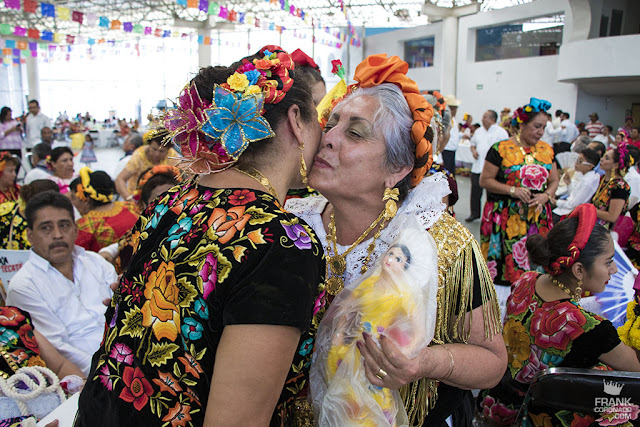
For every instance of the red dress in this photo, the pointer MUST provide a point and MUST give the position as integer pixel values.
(98, 229)
(11, 195)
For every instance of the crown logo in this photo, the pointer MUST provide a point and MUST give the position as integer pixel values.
(612, 388)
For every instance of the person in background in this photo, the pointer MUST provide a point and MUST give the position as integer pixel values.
(580, 143)
(61, 165)
(149, 155)
(35, 121)
(583, 132)
(539, 311)
(582, 186)
(549, 134)
(482, 140)
(88, 156)
(13, 225)
(634, 137)
(449, 152)
(62, 286)
(131, 144)
(605, 137)
(40, 169)
(567, 133)
(520, 176)
(46, 136)
(103, 221)
(595, 126)
(9, 190)
(628, 126)
(307, 65)
(600, 149)
(10, 133)
(612, 196)
(633, 176)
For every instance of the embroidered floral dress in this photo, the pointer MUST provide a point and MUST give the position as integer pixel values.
(11, 195)
(19, 345)
(633, 245)
(539, 335)
(614, 188)
(507, 221)
(207, 258)
(13, 227)
(98, 229)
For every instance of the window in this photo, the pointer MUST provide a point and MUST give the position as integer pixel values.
(616, 23)
(520, 39)
(419, 53)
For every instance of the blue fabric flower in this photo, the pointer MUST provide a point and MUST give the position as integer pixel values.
(539, 104)
(551, 359)
(201, 309)
(158, 213)
(253, 76)
(7, 336)
(236, 121)
(192, 329)
(178, 230)
(306, 347)
(267, 53)
(494, 245)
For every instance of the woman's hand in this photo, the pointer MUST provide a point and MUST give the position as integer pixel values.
(539, 200)
(523, 194)
(399, 368)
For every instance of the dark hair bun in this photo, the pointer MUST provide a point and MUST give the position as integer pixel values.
(539, 252)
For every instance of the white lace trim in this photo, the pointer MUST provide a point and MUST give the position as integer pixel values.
(424, 202)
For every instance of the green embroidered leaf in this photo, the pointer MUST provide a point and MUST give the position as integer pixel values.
(198, 257)
(224, 267)
(132, 323)
(164, 254)
(259, 216)
(161, 352)
(200, 355)
(176, 370)
(187, 292)
(189, 382)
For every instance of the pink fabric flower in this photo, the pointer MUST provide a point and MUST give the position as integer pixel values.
(105, 378)
(521, 294)
(532, 367)
(621, 414)
(121, 353)
(320, 302)
(496, 411)
(493, 269)
(555, 325)
(533, 176)
(520, 253)
(209, 274)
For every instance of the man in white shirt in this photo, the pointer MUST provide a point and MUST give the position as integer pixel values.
(605, 137)
(449, 152)
(35, 122)
(583, 185)
(481, 141)
(633, 177)
(568, 134)
(62, 286)
(549, 135)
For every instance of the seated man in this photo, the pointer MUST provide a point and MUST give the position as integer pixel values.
(62, 286)
(40, 170)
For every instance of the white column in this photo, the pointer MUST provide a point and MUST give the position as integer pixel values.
(449, 54)
(204, 50)
(33, 78)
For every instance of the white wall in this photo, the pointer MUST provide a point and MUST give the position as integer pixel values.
(510, 82)
(392, 43)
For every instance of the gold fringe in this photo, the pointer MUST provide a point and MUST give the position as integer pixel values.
(456, 249)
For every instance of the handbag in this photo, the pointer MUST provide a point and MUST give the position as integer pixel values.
(32, 390)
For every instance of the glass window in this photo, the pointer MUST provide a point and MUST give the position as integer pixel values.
(520, 39)
(419, 53)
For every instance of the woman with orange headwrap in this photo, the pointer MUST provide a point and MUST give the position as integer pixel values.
(371, 168)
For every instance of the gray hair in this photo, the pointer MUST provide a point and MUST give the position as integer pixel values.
(394, 120)
(580, 144)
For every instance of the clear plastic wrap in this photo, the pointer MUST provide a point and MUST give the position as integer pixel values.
(396, 298)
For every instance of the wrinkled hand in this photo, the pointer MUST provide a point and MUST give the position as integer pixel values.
(538, 200)
(114, 287)
(399, 368)
(523, 194)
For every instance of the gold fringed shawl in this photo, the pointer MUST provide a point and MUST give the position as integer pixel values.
(456, 248)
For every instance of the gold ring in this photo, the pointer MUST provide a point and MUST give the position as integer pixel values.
(381, 374)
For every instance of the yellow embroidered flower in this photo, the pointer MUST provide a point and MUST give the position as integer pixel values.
(544, 153)
(516, 227)
(517, 341)
(238, 82)
(485, 249)
(252, 89)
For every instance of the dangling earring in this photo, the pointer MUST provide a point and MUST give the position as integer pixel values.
(578, 291)
(303, 167)
(391, 196)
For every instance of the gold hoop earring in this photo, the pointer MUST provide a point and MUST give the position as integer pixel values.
(303, 166)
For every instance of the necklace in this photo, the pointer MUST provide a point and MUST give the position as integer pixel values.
(263, 180)
(576, 295)
(337, 263)
(529, 158)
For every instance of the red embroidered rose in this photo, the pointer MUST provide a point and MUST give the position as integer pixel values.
(136, 388)
(28, 338)
(10, 316)
(533, 176)
(555, 325)
(511, 273)
(521, 294)
(520, 253)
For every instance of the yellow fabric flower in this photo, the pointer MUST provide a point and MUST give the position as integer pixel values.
(252, 89)
(630, 332)
(518, 343)
(238, 82)
(544, 153)
(484, 248)
(516, 227)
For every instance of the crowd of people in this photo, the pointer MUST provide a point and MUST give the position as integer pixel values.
(268, 254)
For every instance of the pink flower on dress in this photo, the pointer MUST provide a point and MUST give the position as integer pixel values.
(496, 411)
(493, 269)
(520, 253)
(105, 378)
(530, 369)
(209, 274)
(555, 325)
(533, 176)
(320, 302)
(620, 414)
(121, 353)
(521, 294)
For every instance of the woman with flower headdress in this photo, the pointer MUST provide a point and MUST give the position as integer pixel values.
(612, 196)
(9, 190)
(153, 152)
(370, 170)
(212, 321)
(520, 176)
(546, 326)
(103, 221)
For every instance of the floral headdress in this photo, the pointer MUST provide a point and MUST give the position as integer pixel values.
(84, 189)
(213, 135)
(156, 170)
(439, 106)
(524, 114)
(587, 216)
(157, 132)
(623, 150)
(378, 69)
(335, 95)
(4, 156)
(301, 59)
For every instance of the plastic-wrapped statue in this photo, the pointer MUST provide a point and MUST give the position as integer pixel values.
(397, 299)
